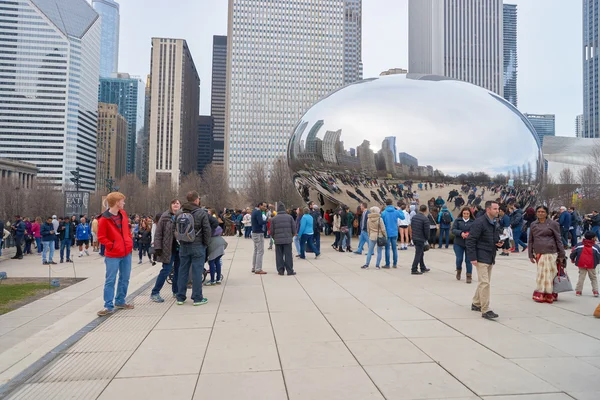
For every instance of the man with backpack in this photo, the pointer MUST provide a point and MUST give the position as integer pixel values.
(193, 231)
(445, 219)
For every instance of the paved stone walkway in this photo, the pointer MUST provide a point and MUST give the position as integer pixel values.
(335, 331)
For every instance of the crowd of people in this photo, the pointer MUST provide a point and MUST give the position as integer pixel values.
(187, 236)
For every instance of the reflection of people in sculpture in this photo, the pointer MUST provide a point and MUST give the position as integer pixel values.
(374, 195)
(352, 195)
(361, 194)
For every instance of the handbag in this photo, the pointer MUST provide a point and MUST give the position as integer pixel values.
(381, 240)
(344, 229)
(426, 246)
(562, 283)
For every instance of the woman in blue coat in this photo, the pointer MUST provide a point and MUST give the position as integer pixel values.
(460, 229)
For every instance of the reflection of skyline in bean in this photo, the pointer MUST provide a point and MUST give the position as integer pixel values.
(400, 127)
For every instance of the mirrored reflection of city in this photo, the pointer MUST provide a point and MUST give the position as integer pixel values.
(359, 143)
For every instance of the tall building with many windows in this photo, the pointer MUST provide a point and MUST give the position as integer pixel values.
(579, 126)
(128, 94)
(109, 36)
(510, 53)
(111, 160)
(143, 144)
(49, 87)
(174, 109)
(544, 124)
(218, 98)
(461, 39)
(353, 67)
(282, 57)
(591, 69)
(206, 127)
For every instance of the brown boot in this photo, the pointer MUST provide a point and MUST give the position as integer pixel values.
(458, 272)
(469, 276)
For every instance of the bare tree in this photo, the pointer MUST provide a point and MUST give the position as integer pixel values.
(588, 177)
(257, 187)
(567, 177)
(215, 187)
(281, 187)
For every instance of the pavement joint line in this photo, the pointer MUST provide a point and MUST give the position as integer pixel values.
(216, 314)
(59, 350)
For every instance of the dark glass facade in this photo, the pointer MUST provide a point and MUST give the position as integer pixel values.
(218, 97)
(510, 53)
(205, 141)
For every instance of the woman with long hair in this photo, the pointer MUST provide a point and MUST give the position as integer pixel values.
(545, 250)
(35, 229)
(144, 237)
(299, 215)
(461, 227)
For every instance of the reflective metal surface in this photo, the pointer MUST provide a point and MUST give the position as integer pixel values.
(356, 135)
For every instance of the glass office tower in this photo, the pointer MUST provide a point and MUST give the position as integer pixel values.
(109, 50)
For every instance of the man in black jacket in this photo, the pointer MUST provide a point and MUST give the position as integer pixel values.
(420, 234)
(283, 230)
(482, 242)
(193, 254)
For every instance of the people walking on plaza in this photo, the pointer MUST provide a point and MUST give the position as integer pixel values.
(317, 226)
(4, 234)
(375, 228)
(48, 235)
(459, 202)
(390, 217)
(461, 227)
(344, 231)
(482, 242)
(95, 234)
(564, 220)
(144, 239)
(504, 223)
(420, 235)
(259, 222)
(337, 222)
(283, 232)
(594, 221)
(36, 226)
(403, 227)
(306, 234)
(298, 214)
(362, 226)
(216, 251)
(545, 249)
(247, 221)
(433, 227)
(193, 231)
(28, 236)
(586, 256)
(575, 230)
(84, 232)
(18, 230)
(166, 251)
(516, 224)
(445, 219)
(115, 235)
(66, 233)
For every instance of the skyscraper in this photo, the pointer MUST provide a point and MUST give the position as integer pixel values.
(353, 67)
(128, 94)
(111, 144)
(591, 71)
(510, 53)
(390, 143)
(218, 97)
(174, 108)
(48, 89)
(109, 36)
(544, 124)
(141, 162)
(579, 126)
(281, 58)
(205, 141)
(459, 39)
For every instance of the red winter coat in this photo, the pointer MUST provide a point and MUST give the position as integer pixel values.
(117, 243)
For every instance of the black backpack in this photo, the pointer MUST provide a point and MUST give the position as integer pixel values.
(446, 217)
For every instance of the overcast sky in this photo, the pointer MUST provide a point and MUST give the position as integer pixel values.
(549, 46)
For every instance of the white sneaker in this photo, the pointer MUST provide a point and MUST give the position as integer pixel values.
(80, 254)
(86, 253)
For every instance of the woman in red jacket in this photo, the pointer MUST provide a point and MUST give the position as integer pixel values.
(114, 234)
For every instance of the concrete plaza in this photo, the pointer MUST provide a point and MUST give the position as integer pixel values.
(333, 331)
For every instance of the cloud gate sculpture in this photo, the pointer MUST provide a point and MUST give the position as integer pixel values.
(350, 145)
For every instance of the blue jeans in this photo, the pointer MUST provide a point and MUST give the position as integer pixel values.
(461, 254)
(564, 234)
(370, 252)
(215, 268)
(297, 244)
(121, 265)
(391, 242)
(65, 244)
(307, 240)
(596, 230)
(102, 250)
(144, 248)
(48, 247)
(446, 232)
(349, 236)
(247, 232)
(517, 238)
(38, 243)
(164, 274)
(191, 255)
(362, 240)
(317, 240)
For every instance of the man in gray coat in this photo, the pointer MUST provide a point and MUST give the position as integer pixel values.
(420, 234)
(283, 230)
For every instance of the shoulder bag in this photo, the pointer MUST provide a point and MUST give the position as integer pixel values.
(381, 240)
